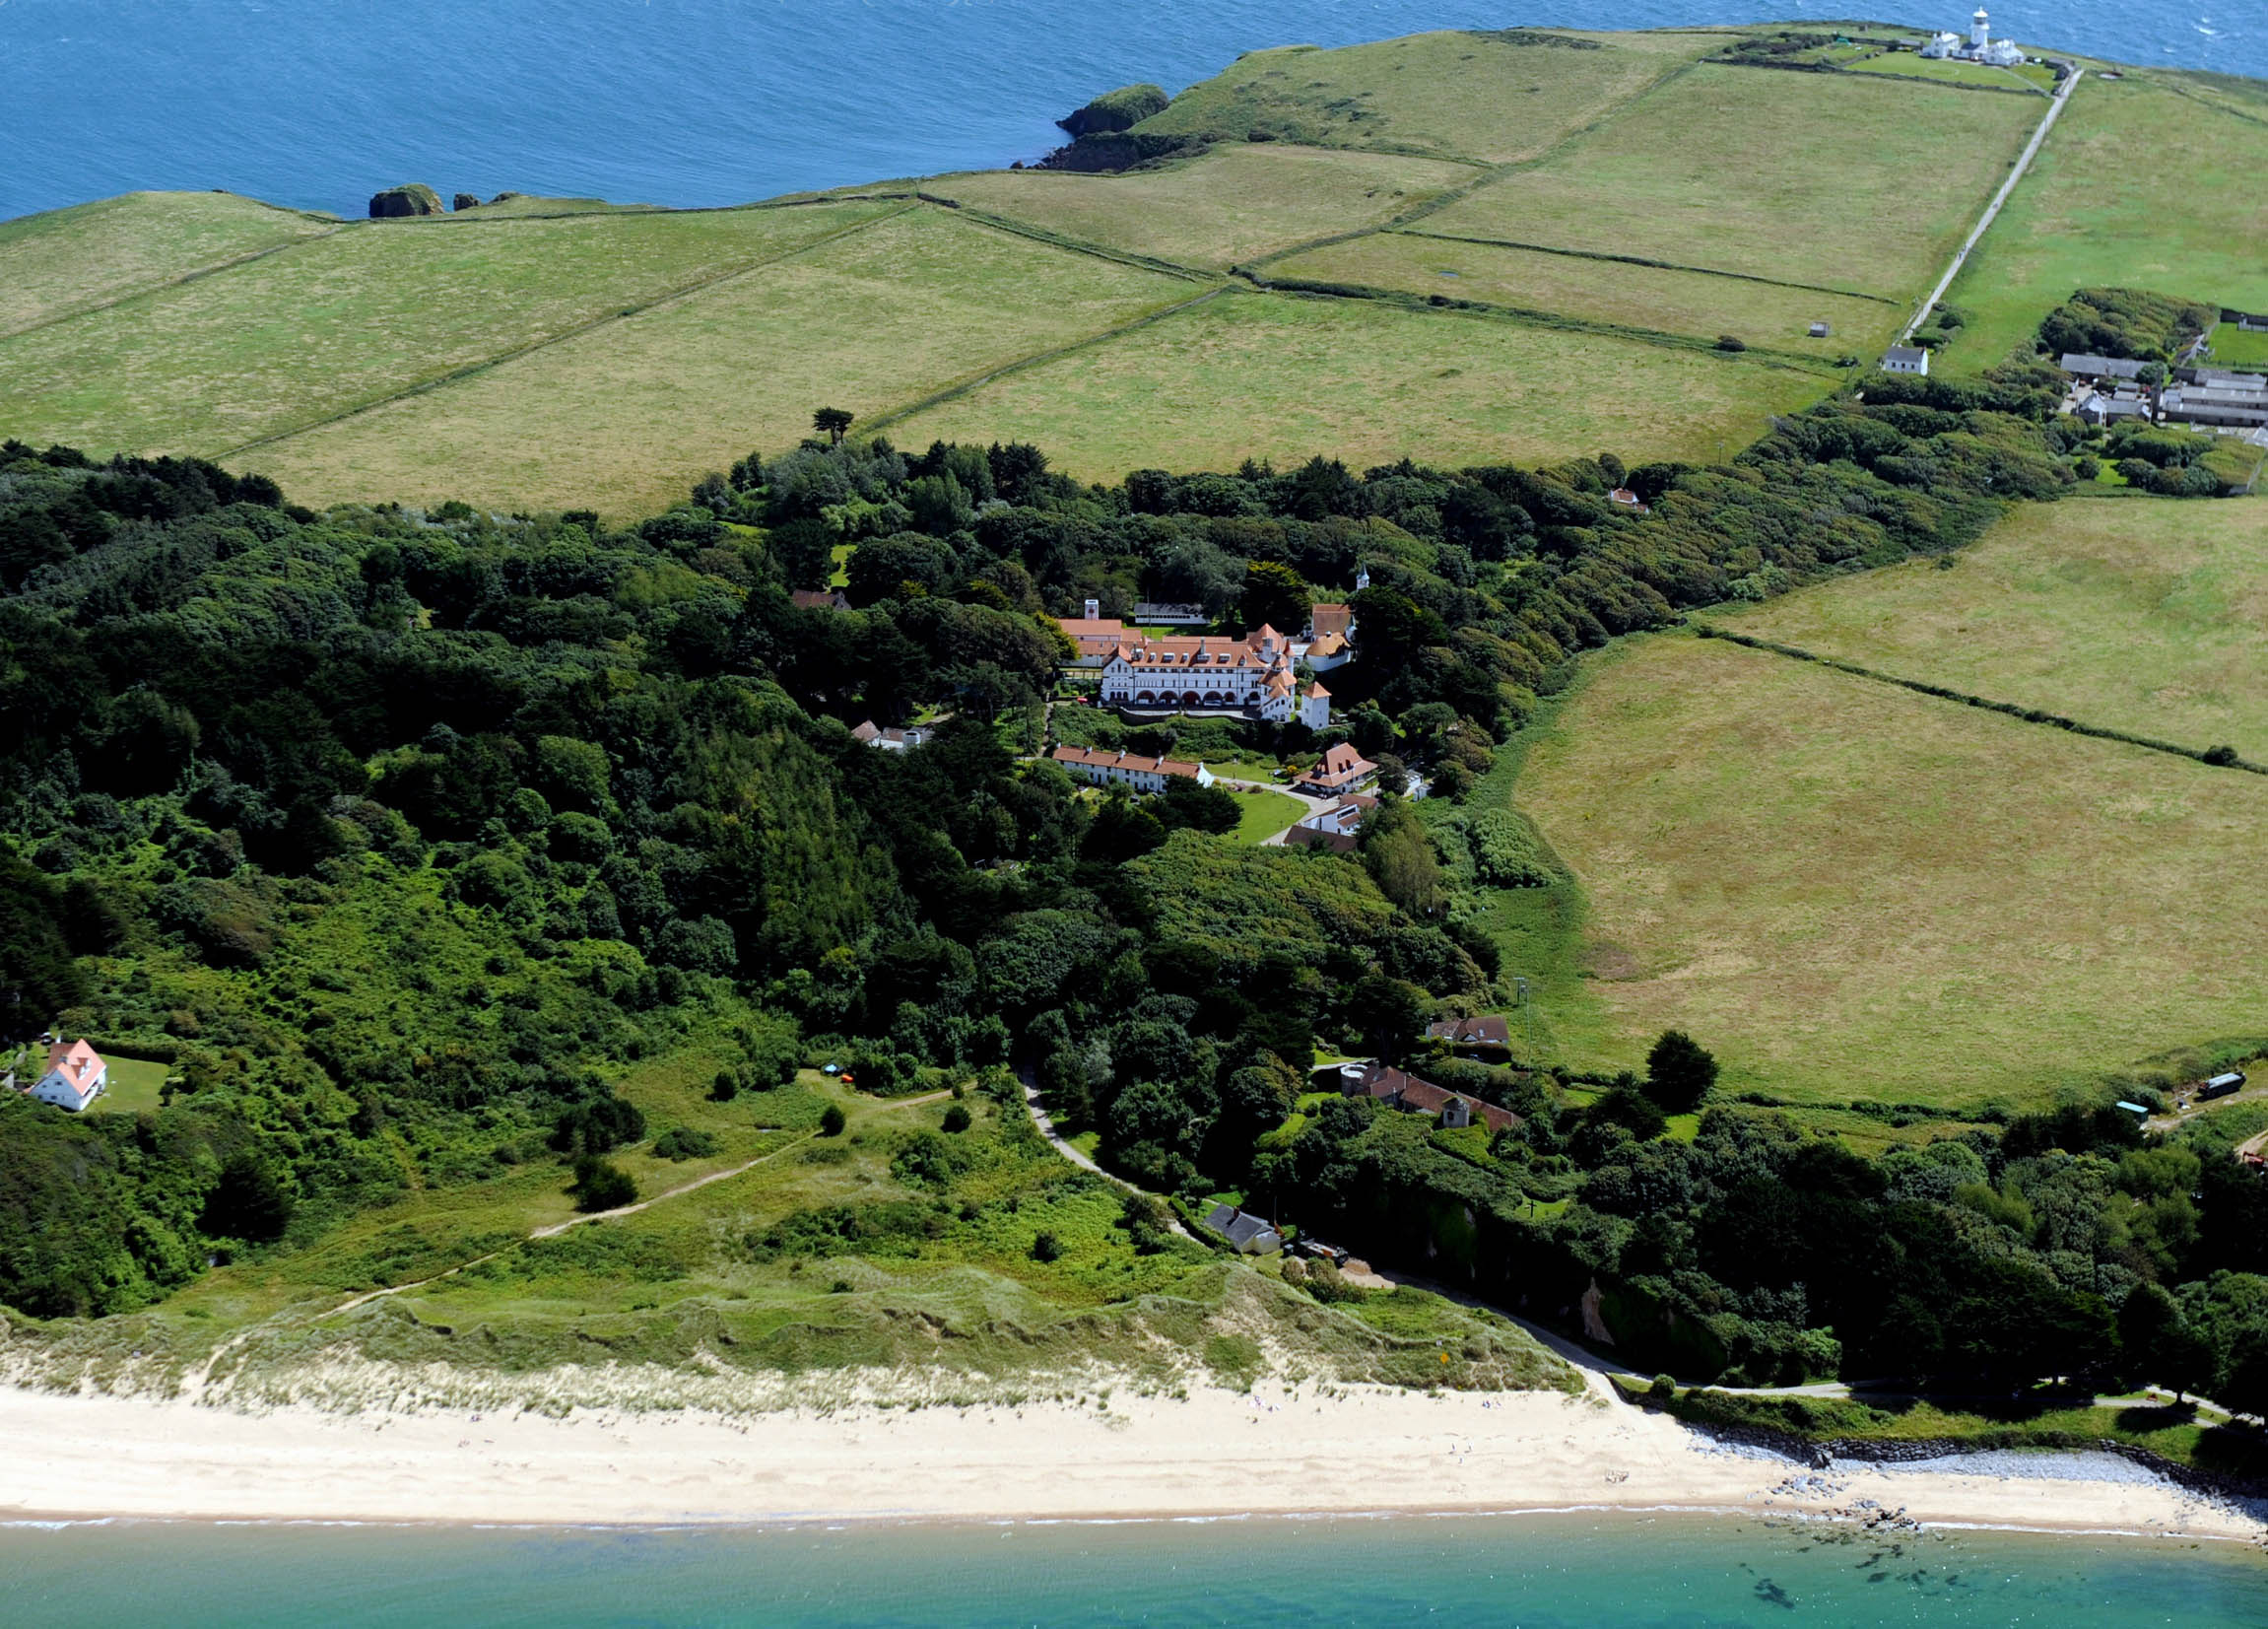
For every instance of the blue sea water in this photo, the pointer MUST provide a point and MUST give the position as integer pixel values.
(1556, 1571)
(319, 103)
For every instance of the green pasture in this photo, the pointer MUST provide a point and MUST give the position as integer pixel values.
(1701, 305)
(1838, 180)
(1850, 891)
(1232, 203)
(1492, 98)
(2029, 78)
(626, 417)
(2234, 346)
(69, 259)
(365, 314)
(1266, 377)
(2141, 614)
(2150, 181)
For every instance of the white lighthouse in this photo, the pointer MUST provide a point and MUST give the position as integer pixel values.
(1979, 32)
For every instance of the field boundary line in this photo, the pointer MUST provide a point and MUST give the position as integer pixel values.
(975, 382)
(1533, 318)
(197, 275)
(1010, 224)
(2023, 166)
(1651, 265)
(469, 370)
(2025, 715)
(2206, 102)
(1495, 173)
(1829, 70)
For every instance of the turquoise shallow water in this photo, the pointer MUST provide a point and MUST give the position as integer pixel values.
(1558, 1572)
(320, 102)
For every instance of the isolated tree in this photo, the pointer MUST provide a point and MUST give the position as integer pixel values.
(831, 1123)
(832, 422)
(1678, 1072)
(601, 1185)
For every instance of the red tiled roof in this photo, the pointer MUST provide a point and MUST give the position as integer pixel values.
(1094, 758)
(1329, 617)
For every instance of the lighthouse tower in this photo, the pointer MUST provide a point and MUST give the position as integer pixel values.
(1979, 35)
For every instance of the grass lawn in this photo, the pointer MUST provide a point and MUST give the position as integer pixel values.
(1229, 205)
(1493, 97)
(1269, 377)
(1700, 304)
(2145, 614)
(363, 314)
(134, 1088)
(1839, 180)
(1850, 891)
(2097, 209)
(67, 259)
(1263, 814)
(2234, 346)
(625, 418)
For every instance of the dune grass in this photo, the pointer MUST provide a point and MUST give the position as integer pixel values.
(1268, 377)
(2152, 181)
(1839, 181)
(68, 259)
(1698, 303)
(1493, 97)
(1850, 891)
(625, 417)
(1229, 204)
(327, 327)
(2143, 614)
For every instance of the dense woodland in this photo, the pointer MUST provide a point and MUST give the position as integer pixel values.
(395, 834)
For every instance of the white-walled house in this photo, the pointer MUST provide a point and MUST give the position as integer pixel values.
(76, 1076)
(1212, 673)
(1128, 769)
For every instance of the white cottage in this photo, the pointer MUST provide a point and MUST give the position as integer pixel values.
(76, 1076)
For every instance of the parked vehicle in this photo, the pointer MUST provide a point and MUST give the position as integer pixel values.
(2221, 1085)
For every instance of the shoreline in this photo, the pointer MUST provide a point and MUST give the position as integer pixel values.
(1274, 1453)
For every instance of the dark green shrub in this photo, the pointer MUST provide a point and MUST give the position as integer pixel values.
(830, 1123)
(601, 1185)
(1046, 1246)
(683, 1142)
(957, 1118)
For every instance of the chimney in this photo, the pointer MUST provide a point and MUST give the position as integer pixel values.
(1094, 609)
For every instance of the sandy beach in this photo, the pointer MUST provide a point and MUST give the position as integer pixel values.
(1217, 1452)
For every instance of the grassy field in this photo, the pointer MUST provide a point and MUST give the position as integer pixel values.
(68, 259)
(2143, 614)
(364, 314)
(1249, 374)
(1264, 814)
(626, 417)
(1831, 179)
(2234, 346)
(1700, 304)
(1494, 98)
(2028, 79)
(2097, 208)
(1227, 205)
(1850, 891)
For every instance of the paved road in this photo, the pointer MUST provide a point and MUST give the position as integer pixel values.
(1992, 210)
(1047, 1125)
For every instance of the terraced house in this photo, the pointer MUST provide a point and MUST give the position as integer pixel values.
(1214, 674)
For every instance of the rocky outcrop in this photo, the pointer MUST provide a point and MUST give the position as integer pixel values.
(417, 198)
(466, 201)
(1119, 109)
(1111, 151)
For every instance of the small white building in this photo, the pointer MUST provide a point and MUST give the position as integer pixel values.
(76, 1076)
(1905, 359)
(1979, 47)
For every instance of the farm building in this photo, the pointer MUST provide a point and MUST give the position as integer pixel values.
(76, 1076)
(1128, 769)
(1905, 359)
(1383, 1083)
